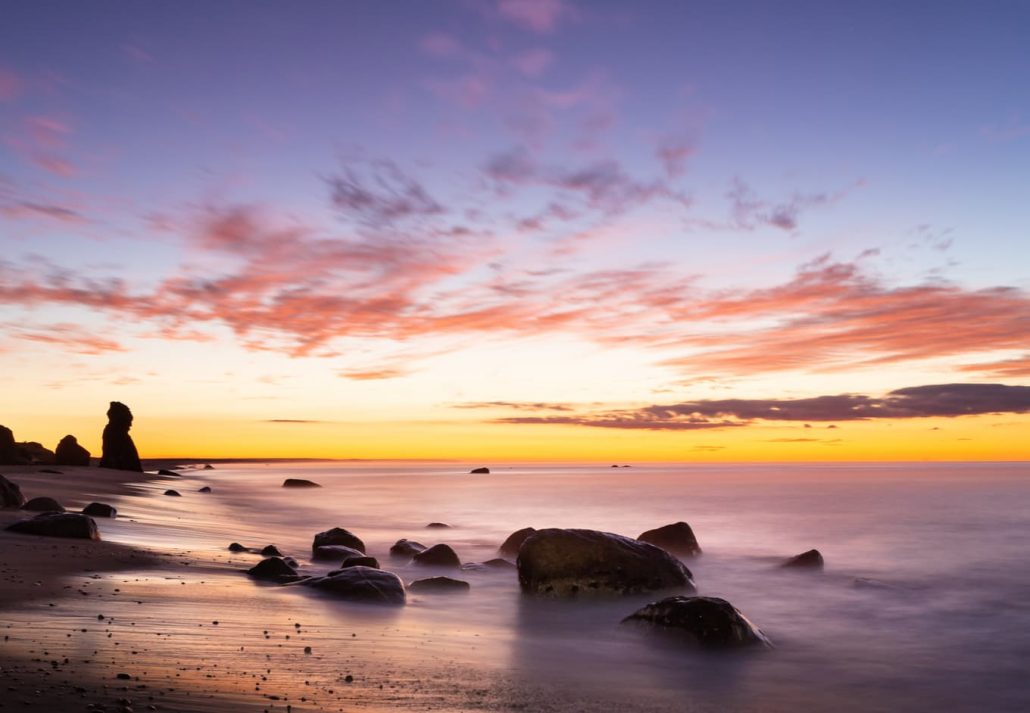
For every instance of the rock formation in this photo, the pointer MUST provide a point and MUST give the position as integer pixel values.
(58, 524)
(677, 538)
(709, 622)
(8, 452)
(119, 451)
(69, 452)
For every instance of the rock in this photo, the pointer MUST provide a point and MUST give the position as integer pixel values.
(677, 538)
(437, 526)
(53, 524)
(273, 569)
(406, 549)
(119, 452)
(300, 483)
(237, 547)
(10, 493)
(290, 561)
(439, 585)
(8, 452)
(271, 551)
(498, 563)
(43, 504)
(33, 453)
(335, 552)
(337, 536)
(709, 622)
(614, 466)
(51, 471)
(208, 466)
(362, 584)
(812, 559)
(205, 489)
(173, 493)
(99, 510)
(365, 561)
(437, 556)
(69, 452)
(557, 562)
(511, 546)
(492, 564)
(477, 471)
(165, 471)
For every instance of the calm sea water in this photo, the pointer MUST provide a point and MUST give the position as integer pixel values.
(924, 603)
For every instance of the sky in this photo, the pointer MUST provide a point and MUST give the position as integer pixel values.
(502, 230)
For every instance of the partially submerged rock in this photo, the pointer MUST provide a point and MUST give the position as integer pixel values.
(709, 622)
(812, 559)
(173, 493)
(273, 569)
(119, 451)
(492, 564)
(439, 585)
(437, 556)
(677, 538)
(270, 551)
(237, 547)
(478, 471)
(335, 552)
(205, 489)
(300, 483)
(361, 584)
(53, 524)
(99, 510)
(511, 545)
(69, 452)
(43, 504)
(10, 493)
(556, 562)
(406, 549)
(337, 536)
(362, 561)
(165, 471)
(437, 526)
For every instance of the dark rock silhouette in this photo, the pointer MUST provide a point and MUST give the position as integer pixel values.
(119, 452)
(337, 536)
(300, 483)
(69, 452)
(677, 538)
(364, 561)
(406, 549)
(480, 470)
(437, 526)
(58, 524)
(362, 584)
(437, 556)
(32, 453)
(43, 504)
(237, 547)
(273, 569)
(165, 471)
(208, 466)
(10, 493)
(709, 622)
(271, 551)
(8, 452)
(511, 545)
(565, 563)
(173, 493)
(812, 559)
(439, 585)
(335, 552)
(99, 510)
(205, 489)
(490, 565)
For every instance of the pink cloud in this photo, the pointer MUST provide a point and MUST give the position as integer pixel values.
(534, 62)
(540, 16)
(10, 85)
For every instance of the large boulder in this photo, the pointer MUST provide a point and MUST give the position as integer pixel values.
(362, 584)
(119, 452)
(338, 536)
(335, 552)
(43, 504)
(58, 524)
(514, 541)
(8, 451)
(69, 452)
(439, 585)
(677, 538)
(273, 569)
(438, 556)
(33, 453)
(406, 549)
(10, 493)
(709, 622)
(813, 559)
(99, 510)
(556, 562)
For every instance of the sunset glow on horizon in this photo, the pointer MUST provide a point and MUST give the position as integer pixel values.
(518, 230)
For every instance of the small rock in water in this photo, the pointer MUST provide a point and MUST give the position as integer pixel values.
(205, 489)
(173, 493)
(271, 551)
(402, 549)
(300, 483)
(439, 585)
(437, 526)
(511, 545)
(99, 510)
(677, 538)
(812, 559)
(337, 536)
(43, 504)
(709, 622)
(438, 556)
(237, 547)
(273, 569)
(165, 471)
(478, 471)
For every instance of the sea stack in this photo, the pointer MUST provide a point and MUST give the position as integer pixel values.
(119, 451)
(8, 452)
(69, 452)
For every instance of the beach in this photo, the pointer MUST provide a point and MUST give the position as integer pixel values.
(162, 600)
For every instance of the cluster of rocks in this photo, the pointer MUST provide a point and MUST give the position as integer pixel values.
(53, 519)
